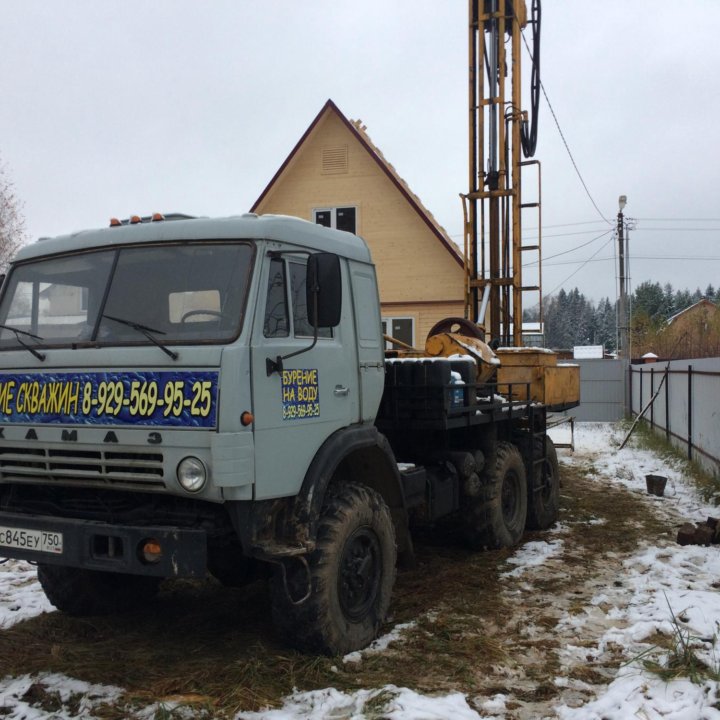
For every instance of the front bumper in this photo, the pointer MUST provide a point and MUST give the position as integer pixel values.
(112, 548)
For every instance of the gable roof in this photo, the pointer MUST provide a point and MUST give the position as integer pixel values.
(703, 302)
(357, 129)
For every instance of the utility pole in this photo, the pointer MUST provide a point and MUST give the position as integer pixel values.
(623, 344)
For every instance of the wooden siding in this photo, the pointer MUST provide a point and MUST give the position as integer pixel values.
(425, 315)
(418, 276)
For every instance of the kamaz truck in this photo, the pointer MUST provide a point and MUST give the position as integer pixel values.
(188, 396)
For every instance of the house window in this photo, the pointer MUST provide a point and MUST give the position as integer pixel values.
(400, 328)
(341, 218)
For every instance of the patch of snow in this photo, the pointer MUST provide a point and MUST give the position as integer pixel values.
(635, 695)
(21, 596)
(401, 704)
(381, 644)
(16, 697)
(532, 554)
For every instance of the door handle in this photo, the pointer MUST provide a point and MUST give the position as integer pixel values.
(341, 390)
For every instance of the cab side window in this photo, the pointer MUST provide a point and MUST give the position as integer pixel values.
(276, 311)
(292, 275)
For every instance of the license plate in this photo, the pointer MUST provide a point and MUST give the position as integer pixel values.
(38, 540)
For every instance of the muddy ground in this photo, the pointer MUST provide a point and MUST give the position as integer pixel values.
(478, 629)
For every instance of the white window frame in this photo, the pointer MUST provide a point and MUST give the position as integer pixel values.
(388, 320)
(333, 214)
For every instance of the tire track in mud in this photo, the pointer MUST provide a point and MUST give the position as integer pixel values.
(560, 610)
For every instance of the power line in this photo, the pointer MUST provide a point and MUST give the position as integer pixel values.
(570, 234)
(562, 136)
(635, 257)
(577, 270)
(679, 219)
(566, 252)
(585, 222)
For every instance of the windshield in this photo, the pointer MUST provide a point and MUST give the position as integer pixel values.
(181, 293)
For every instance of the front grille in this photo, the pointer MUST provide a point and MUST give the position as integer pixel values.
(65, 466)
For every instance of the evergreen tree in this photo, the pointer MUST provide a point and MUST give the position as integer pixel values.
(649, 299)
(683, 299)
(606, 323)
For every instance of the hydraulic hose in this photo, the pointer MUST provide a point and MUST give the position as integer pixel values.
(528, 130)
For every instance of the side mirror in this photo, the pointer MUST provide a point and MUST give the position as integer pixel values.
(324, 290)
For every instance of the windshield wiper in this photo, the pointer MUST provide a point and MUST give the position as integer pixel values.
(18, 332)
(148, 332)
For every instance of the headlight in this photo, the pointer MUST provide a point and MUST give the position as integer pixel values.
(192, 474)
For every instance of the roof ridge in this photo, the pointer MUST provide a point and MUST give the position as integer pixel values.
(361, 128)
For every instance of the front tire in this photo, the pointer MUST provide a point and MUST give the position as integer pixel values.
(496, 518)
(351, 574)
(80, 593)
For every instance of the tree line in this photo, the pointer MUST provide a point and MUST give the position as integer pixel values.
(572, 319)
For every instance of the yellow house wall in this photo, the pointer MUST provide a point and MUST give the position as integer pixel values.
(425, 316)
(412, 264)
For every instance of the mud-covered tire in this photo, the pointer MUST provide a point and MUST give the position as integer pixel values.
(80, 593)
(351, 572)
(496, 518)
(544, 492)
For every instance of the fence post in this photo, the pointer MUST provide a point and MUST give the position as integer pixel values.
(642, 374)
(689, 406)
(630, 386)
(652, 392)
(667, 402)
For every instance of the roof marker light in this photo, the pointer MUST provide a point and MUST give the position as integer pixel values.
(157, 217)
(135, 219)
(114, 222)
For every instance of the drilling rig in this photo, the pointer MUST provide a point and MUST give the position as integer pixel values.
(500, 135)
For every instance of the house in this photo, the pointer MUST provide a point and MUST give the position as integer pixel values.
(336, 176)
(691, 333)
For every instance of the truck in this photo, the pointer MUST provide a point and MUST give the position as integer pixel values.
(183, 396)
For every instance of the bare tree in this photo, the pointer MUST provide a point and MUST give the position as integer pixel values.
(12, 223)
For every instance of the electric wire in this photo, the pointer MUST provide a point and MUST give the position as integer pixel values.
(566, 252)
(577, 270)
(567, 147)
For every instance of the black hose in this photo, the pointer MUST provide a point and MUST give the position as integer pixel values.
(528, 130)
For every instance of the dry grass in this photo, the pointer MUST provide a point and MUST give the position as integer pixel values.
(214, 649)
(707, 484)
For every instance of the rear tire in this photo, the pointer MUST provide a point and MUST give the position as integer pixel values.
(496, 518)
(79, 592)
(544, 492)
(351, 573)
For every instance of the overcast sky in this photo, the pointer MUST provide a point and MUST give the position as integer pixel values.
(115, 108)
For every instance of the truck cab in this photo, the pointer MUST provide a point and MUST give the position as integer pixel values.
(167, 406)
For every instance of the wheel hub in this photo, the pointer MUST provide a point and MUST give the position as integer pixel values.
(360, 571)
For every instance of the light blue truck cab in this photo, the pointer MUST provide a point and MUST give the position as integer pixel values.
(166, 408)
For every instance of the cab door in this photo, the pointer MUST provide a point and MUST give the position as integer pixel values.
(316, 393)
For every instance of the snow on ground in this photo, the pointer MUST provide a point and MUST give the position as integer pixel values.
(21, 596)
(667, 589)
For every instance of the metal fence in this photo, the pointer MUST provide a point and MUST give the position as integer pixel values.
(683, 399)
(602, 391)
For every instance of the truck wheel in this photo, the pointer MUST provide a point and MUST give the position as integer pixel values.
(544, 493)
(351, 574)
(496, 518)
(79, 592)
